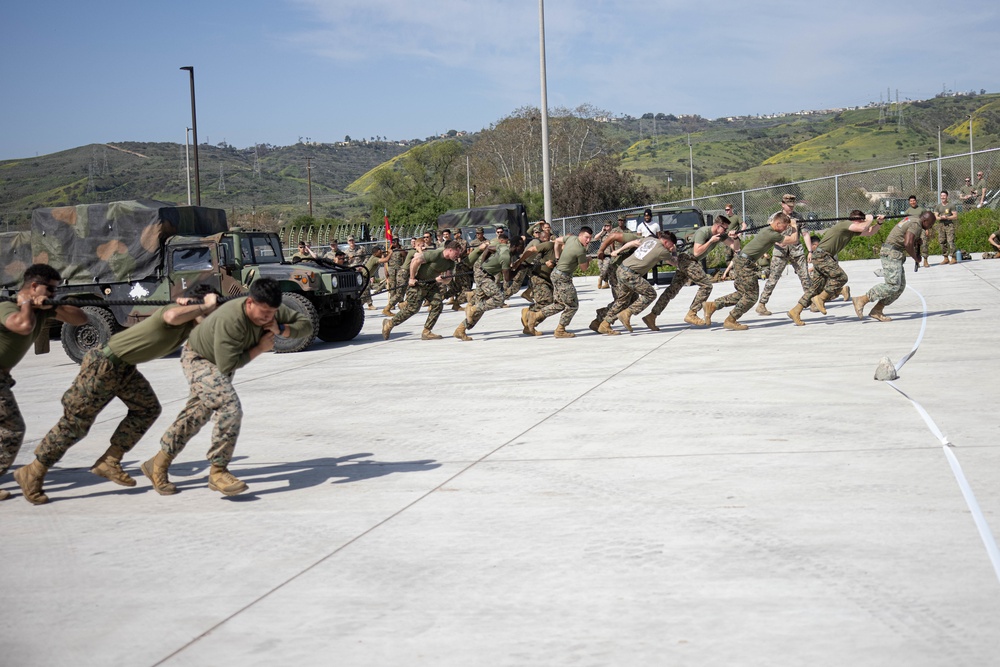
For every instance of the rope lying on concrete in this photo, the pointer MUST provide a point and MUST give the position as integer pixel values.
(970, 498)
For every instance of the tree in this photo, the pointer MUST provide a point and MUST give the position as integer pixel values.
(420, 185)
(600, 185)
(347, 139)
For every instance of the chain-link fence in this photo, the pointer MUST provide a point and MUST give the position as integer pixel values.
(879, 191)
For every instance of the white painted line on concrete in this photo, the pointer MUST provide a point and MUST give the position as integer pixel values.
(970, 498)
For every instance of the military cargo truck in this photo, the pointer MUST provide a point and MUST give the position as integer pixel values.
(514, 217)
(136, 251)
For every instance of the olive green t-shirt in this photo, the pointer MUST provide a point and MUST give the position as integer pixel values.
(371, 265)
(546, 253)
(499, 261)
(735, 222)
(837, 237)
(701, 235)
(762, 242)
(573, 254)
(226, 336)
(435, 263)
(914, 212)
(650, 253)
(627, 237)
(897, 236)
(14, 346)
(150, 339)
(944, 209)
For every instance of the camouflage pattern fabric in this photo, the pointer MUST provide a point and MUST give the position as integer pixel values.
(604, 265)
(397, 294)
(356, 256)
(747, 289)
(946, 237)
(634, 293)
(925, 244)
(98, 381)
(687, 268)
(117, 241)
(415, 297)
(15, 248)
(489, 295)
(11, 423)
(827, 276)
(517, 279)
(565, 299)
(211, 392)
(894, 275)
(541, 293)
(793, 255)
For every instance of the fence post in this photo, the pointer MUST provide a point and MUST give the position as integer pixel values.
(743, 204)
(836, 195)
(939, 174)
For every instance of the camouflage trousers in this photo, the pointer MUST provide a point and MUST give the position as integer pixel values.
(460, 284)
(489, 295)
(894, 275)
(398, 288)
(212, 392)
(946, 237)
(415, 297)
(11, 423)
(688, 268)
(747, 288)
(515, 284)
(925, 242)
(564, 298)
(793, 255)
(541, 293)
(605, 265)
(634, 293)
(100, 379)
(827, 277)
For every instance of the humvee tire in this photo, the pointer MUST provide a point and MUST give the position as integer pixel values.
(95, 334)
(303, 305)
(343, 326)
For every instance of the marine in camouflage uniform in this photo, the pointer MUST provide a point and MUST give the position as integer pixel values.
(396, 258)
(615, 240)
(634, 291)
(745, 270)
(403, 276)
(21, 323)
(689, 268)
(829, 279)
(111, 373)
(785, 255)
(234, 335)
(371, 266)
(543, 255)
(901, 241)
(946, 216)
(356, 255)
(571, 252)
(428, 272)
(914, 212)
(492, 267)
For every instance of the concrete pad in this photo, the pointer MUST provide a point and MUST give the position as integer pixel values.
(685, 497)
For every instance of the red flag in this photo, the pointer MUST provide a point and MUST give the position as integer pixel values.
(388, 230)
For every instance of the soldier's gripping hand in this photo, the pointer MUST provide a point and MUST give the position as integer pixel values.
(210, 301)
(266, 343)
(37, 302)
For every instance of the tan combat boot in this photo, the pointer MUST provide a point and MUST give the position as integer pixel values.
(846, 293)
(595, 325)
(952, 260)
(732, 324)
(460, 332)
(820, 302)
(877, 313)
(650, 321)
(534, 319)
(796, 314)
(387, 311)
(524, 321)
(761, 309)
(4, 494)
(692, 318)
(926, 265)
(109, 466)
(527, 294)
(30, 479)
(604, 328)
(156, 470)
(944, 260)
(859, 305)
(625, 317)
(386, 329)
(561, 332)
(710, 308)
(223, 481)
(427, 334)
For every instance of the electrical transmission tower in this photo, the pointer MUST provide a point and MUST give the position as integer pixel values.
(222, 179)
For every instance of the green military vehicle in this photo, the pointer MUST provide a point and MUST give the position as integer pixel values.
(463, 221)
(120, 254)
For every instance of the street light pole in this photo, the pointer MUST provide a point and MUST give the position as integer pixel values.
(972, 166)
(187, 160)
(194, 139)
(691, 164)
(546, 176)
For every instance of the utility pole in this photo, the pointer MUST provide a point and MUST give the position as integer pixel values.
(546, 176)
(194, 139)
(691, 165)
(309, 178)
(187, 161)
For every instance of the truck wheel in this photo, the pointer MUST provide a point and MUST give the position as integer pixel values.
(304, 306)
(343, 326)
(78, 341)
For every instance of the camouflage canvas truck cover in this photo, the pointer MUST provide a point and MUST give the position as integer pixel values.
(465, 220)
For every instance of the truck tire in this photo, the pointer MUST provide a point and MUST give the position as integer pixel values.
(304, 306)
(78, 341)
(343, 326)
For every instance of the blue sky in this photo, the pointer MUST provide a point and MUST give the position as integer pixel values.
(75, 73)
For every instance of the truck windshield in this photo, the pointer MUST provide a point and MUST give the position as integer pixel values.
(266, 250)
(192, 259)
